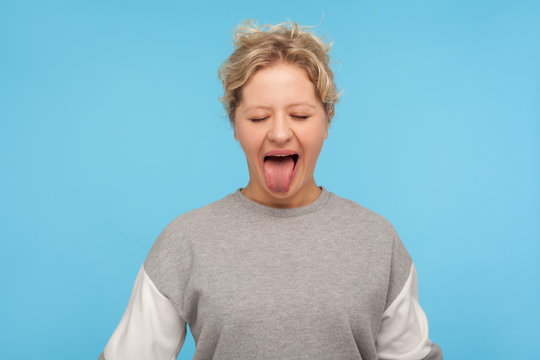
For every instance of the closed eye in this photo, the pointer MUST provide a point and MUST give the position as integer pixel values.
(300, 116)
(257, 119)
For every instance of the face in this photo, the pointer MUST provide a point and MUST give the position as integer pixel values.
(281, 125)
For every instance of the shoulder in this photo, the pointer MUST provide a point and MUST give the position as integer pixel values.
(360, 217)
(194, 218)
(171, 253)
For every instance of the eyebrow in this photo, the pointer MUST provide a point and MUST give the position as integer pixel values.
(257, 107)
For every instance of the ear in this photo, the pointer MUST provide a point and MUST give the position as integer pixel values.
(326, 126)
(235, 133)
(326, 129)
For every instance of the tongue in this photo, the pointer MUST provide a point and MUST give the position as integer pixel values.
(278, 173)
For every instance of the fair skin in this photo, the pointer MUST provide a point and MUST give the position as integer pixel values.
(280, 111)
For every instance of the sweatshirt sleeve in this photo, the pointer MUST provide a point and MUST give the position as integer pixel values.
(403, 332)
(150, 328)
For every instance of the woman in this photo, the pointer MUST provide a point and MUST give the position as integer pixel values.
(283, 268)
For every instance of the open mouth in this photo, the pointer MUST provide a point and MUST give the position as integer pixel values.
(282, 158)
(279, 170)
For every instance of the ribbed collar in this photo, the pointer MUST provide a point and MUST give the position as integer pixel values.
(323, 198)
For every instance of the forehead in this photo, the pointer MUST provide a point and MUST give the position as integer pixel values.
(279, 84)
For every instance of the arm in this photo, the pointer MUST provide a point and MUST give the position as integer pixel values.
(150, 328)
(403, 333)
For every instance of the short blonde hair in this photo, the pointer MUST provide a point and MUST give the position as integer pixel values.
(258, 47)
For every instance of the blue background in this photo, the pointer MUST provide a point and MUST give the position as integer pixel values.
(111, 127)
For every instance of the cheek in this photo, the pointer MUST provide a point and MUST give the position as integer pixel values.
(248, 141)
(313, 141)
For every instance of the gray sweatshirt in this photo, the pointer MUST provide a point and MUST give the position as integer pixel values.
(330, 280)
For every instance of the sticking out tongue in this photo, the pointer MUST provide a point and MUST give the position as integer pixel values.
(278, 171)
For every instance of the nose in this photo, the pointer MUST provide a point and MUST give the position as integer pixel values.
(280, 131)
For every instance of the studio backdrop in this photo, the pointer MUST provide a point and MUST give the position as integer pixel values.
(110, 127)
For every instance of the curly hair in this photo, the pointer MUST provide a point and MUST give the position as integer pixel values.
(256, 47)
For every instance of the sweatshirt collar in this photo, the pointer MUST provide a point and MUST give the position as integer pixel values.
(324, 196)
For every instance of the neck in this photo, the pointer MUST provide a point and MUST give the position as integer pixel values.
(302, 197)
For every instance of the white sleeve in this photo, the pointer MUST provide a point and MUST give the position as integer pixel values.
(403, 333)
(150, 328)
